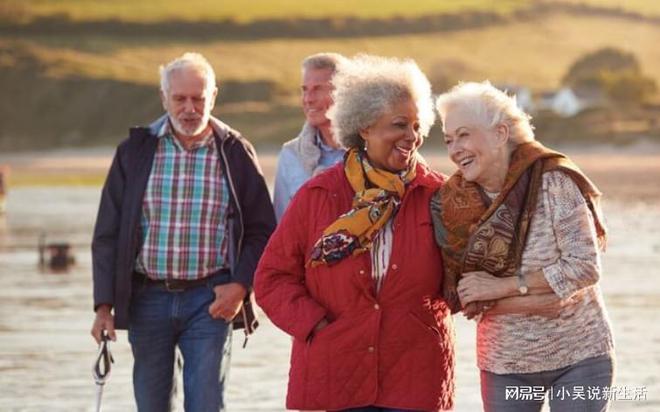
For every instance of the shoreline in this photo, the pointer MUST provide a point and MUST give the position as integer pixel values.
(620, 172)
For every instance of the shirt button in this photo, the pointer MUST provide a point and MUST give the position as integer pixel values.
(376, 306)
(371, 349)
(361, 272)
(395, 267)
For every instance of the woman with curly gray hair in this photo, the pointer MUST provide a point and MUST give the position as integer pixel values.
(352, 271)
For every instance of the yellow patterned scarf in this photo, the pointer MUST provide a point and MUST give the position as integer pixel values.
(378, 194)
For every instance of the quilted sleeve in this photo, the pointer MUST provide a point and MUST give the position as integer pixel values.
(279, 283)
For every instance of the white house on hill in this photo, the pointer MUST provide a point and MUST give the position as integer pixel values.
(567, 102)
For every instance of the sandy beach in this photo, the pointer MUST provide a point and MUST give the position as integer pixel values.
(46, 351)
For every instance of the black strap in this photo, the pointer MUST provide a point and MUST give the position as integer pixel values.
(104, 361)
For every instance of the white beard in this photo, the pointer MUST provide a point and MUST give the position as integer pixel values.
(188, 131)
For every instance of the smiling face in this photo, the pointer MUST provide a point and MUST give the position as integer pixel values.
(317, 95)
(394, 138)
(188, 102)
(480, 153)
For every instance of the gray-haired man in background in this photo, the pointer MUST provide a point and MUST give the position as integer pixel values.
(315, 148)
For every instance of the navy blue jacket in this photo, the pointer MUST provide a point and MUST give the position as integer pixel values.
(116, 242)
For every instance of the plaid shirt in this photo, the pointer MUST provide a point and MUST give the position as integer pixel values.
(184, 211)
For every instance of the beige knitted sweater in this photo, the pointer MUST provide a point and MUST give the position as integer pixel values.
(562, 243)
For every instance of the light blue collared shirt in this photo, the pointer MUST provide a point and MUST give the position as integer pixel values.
(291, 174)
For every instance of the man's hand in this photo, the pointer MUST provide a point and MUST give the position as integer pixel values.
(104, 321)
(228, 301)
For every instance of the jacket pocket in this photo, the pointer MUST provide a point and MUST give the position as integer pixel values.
(429, 326)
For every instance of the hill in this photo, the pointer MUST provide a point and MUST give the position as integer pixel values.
(87, 84)
(153, 11)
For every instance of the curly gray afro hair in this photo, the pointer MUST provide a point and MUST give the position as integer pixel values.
(368, 86)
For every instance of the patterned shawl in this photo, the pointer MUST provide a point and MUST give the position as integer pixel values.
(378, 194)
(476, 233)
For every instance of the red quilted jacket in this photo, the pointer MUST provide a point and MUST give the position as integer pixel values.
(394, 349)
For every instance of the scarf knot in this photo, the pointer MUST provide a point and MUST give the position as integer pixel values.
(377, 198)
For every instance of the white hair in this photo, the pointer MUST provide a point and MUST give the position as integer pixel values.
(323, 61)
(188, 60)
(490, 106)
(368, 86)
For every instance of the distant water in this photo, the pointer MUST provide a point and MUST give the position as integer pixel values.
(46, 350)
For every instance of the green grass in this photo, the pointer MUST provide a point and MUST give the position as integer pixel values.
(649, 8)
(149, 11)
(244, 10)
(535, 53)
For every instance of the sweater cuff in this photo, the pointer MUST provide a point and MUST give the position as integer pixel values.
(244, 283)
(98, 305)
(553, 274)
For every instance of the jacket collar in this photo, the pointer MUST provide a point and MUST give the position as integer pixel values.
(220, 129)
(425, 177)
(306, 149)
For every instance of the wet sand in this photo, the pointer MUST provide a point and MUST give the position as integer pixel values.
(46, 351)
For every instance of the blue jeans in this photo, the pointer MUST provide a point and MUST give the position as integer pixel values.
(571, 388)
(159, 321)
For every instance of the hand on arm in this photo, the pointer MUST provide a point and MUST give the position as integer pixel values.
(548, 305)
(482, 286)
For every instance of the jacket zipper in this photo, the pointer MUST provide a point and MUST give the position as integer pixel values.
(233, 191)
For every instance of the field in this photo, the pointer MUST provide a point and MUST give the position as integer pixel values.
(79, 73)
(643, 7)
(535, 53)
(159, 10)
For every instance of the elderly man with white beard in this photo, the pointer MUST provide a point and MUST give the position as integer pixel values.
(184, 217)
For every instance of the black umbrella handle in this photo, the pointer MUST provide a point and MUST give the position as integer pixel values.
(103, 362)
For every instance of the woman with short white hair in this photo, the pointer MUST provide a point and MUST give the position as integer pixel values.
(520, 229)
(352, 271)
